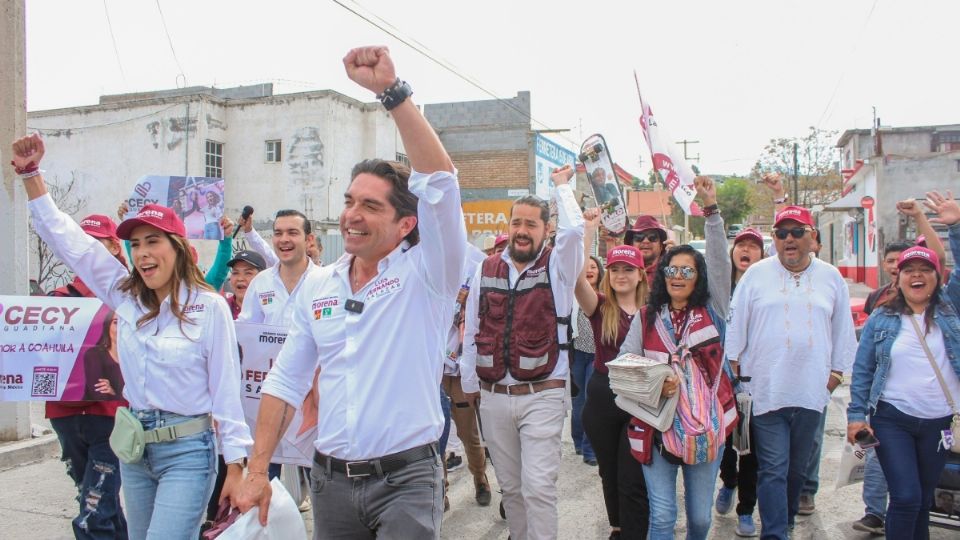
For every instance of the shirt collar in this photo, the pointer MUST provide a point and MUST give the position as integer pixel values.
(505, 256)
(343, 263)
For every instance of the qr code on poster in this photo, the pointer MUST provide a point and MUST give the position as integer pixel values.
(44, 382)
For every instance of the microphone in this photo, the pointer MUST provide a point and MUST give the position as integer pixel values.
(247, 212)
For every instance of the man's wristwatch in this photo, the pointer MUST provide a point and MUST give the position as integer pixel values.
(782, 200)
(711, 210)
(395, 94)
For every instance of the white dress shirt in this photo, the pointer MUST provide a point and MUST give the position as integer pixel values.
(184, 368)
(788, 337)
(566, 262)
(380, 369)
(267, 300)
(258, 244)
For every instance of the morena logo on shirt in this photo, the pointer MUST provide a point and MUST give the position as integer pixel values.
(194, 308)
(536, 271)
(267, 297)
(323, 307)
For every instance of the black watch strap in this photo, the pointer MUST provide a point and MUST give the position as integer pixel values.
(395, 94)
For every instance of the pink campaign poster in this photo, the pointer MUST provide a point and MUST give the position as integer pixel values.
(58, 349)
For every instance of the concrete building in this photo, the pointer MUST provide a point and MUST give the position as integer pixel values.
(275, 151)
(880, 168)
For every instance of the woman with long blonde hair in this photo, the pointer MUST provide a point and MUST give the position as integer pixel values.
(623, 291)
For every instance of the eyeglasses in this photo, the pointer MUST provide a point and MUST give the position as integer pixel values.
(649, 237)
(796, 232)
(686, 272)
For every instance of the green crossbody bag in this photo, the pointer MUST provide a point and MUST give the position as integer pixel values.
(127, 438)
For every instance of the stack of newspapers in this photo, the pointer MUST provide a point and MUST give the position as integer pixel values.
(638, 381)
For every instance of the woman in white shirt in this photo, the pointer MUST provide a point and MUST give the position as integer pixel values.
(895, 382)
(178, 356)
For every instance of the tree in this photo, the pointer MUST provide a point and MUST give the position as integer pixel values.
(733, 197)
(818, 177)
(51, 272)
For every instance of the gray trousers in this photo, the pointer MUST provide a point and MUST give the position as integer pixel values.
(403, 504)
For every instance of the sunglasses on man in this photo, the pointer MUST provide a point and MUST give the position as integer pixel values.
(796, 232)
(685, 272)
(649, 237)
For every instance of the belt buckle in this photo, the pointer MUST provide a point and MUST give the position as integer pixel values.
(166, 434)
(350, 474)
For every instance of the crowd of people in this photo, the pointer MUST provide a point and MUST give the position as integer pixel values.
(425, 329)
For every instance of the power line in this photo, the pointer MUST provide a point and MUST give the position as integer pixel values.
(843, 73)
(425, 51)
(113, 39)
(163, 20)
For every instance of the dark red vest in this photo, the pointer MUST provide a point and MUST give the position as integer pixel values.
(517, 333)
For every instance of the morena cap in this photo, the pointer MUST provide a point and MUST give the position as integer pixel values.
(919, 253)
(749, 234)
(794, 213)
(252, 258)
(99, 226)
(625, 254)
(500, 239)
(158, 216)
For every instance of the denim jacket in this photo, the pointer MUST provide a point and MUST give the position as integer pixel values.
(873, 355)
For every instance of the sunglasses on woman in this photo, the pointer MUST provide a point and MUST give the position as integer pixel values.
(796, 232)
(685, 272)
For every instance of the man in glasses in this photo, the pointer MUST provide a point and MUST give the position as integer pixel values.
(790, 338)
(649, 236)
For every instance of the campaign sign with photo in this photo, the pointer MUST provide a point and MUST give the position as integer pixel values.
(58, 349)
(259, 346)
(196, 199)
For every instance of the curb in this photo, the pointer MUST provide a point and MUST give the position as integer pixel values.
(19, 453)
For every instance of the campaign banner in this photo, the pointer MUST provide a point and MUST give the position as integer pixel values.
(259, 346)
(58, 349)
(547, 156)
(671, 165)
(197, 200)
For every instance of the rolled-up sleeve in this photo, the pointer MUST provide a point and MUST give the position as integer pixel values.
(223, 366)
(569, 242)
(844, 337)
(258, 244)
(291, 376)
(443, 234)
(82, 253)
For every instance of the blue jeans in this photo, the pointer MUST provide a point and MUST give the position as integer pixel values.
(782, 442)
(580, 372)
(698, 487)
(95, 470)
(912, 460)
(874, 486)
(811, 483)
(445, 407)
(167, 491)
(211, 231)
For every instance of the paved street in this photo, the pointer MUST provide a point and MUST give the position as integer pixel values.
(37, 502)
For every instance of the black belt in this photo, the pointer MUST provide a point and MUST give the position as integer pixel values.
(378, 466)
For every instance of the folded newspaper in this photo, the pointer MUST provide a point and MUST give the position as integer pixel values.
(638, 382)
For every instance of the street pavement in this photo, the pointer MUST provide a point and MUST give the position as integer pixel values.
(37, 501)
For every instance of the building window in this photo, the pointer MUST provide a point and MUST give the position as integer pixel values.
(214, 159)
(273, 151)
(402, 158)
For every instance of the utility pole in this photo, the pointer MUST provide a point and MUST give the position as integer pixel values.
(14, 264)
(687, 157)
(796, 168)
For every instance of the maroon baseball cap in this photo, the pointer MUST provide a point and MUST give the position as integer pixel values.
(749, 234)
(99, 226)
(625, 254)
(794, 213)
(500, 239)
(645, 223)
(158, 216)
(918, 253)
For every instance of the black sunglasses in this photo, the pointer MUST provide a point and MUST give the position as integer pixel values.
(649, 237)
(796, 232)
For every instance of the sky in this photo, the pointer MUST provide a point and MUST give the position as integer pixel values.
(731, 75)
